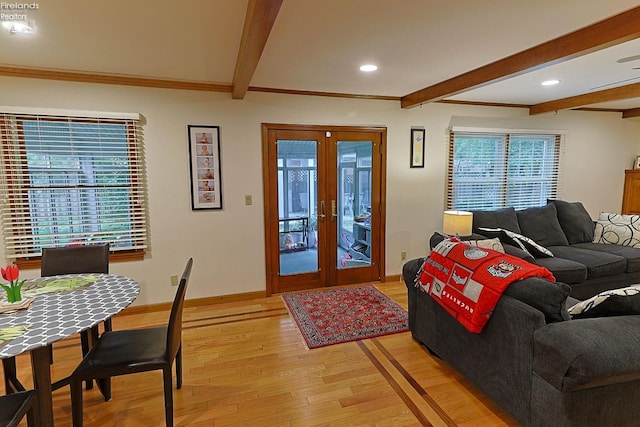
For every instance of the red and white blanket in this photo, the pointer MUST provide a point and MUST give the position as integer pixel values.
(468, 281)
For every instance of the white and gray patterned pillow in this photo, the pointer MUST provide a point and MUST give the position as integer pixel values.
(493, 244)
(617, 229)
(525, 243)
(616, 302)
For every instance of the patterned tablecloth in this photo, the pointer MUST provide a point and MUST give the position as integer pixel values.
(59, 314)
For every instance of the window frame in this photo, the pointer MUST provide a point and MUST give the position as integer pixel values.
(503, 178)
(16, 178)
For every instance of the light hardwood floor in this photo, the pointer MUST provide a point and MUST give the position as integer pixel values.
(245, 364)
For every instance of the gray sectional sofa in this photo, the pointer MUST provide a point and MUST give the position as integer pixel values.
(535, 364)
(567, 231)
(532, 359)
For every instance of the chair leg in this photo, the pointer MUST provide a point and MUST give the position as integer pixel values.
(84, 341)
(76, 402)
(104, 385)
(168, 396)
(11, 382)
(179, 367)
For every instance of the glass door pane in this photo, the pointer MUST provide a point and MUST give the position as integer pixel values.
(297, 204)
(354, 209)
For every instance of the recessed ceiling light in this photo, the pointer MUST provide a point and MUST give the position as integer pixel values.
(550, 82)
(367, 68)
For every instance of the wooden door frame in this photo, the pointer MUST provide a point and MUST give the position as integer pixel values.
(268, 209)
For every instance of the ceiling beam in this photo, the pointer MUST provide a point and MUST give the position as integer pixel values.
(111, 79)
(633, 112)
(258, 22)
(609, 32)
(613, 94)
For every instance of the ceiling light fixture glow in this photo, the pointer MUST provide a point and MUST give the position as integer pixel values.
(367, 68)
(20, 27)
(550, 82)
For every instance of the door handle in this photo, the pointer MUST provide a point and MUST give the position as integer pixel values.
(334, 215)
(322, 216)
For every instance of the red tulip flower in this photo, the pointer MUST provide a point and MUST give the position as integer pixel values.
(11, 274)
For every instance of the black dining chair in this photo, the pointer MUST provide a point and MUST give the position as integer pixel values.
(14, 406)
(130, 351)
(77, 260)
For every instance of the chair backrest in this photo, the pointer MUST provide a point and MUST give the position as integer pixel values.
(74, 260)
(174, 331)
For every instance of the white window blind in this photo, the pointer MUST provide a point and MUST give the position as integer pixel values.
(71, 180)
(489, 171)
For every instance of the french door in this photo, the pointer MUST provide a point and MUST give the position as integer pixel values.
(324, 205)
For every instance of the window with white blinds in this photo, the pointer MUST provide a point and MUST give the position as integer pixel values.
(70, 180)
(489, 171)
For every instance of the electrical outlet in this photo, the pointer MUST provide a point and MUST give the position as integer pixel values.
(248, 200)
(174, 281)
(403, 256)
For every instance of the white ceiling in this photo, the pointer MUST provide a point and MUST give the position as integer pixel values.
(318, 45)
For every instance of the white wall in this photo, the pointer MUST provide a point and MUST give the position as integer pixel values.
(228, 245)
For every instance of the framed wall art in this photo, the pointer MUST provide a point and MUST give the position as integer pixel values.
(417, 148)
(636, 164)
(204, 156)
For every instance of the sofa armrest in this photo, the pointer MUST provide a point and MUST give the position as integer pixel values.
(585, 353)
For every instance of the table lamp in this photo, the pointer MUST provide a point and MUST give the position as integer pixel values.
(457, 223)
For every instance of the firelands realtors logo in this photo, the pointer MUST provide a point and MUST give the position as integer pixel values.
(17, 17)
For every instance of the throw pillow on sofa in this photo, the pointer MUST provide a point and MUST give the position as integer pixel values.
(575, 221)
(616, 302)
(541, 225)
(503, 218)
(515, 239)
(507, 248)
(493, 244)
(438, 237)
(617, 229)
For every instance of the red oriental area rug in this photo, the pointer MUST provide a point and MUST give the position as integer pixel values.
(347, 314)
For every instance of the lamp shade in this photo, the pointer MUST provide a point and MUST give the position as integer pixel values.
(457, 223)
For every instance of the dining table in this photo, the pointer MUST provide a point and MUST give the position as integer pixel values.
(61, 306)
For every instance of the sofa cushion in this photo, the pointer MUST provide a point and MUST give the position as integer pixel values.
(564, 270)
(575, 221)
(617, 229)
(615, 302)
(541, 224)
(599, 264)
(546, 296)
(632, 255)
(587, 353)
(518, 240)
(500, 218)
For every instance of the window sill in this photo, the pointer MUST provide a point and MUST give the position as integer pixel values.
(123, 256)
